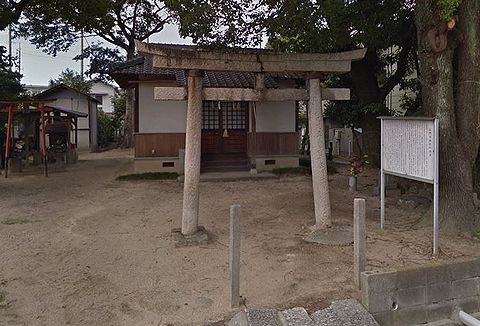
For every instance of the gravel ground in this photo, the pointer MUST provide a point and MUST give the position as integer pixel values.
(81, 248)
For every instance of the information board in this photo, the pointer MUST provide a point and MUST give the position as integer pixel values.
(409, 149)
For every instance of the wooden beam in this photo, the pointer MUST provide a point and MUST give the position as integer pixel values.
(249, 94)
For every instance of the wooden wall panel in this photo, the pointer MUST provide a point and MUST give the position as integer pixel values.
(159, 145)
(273, 143)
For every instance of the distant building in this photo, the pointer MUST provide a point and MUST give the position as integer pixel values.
(33, 90)
(103, 93)
(68, 98)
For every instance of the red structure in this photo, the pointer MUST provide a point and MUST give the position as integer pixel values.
(46, 113)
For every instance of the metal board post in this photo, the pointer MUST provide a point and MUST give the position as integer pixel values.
(382, 180)
(410, 148)
(436, 219)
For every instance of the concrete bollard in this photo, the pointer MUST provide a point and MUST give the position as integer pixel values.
(359, 240)
(235, 256)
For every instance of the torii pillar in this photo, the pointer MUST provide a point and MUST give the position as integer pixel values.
(193, 152)
(317, 154)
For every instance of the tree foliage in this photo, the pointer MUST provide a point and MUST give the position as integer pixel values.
(119, 102)
(448, 8)
(106, 131)
(56, 26)
(73, 80)
(11, 10)
(9, 80)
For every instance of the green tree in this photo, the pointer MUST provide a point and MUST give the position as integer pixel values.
(386, 28)
(106, 131)
(56, 27)
(11, 10)
(449, 62)
(73, 80)
(119, 102)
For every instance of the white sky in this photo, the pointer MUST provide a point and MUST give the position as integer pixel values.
(38, 67)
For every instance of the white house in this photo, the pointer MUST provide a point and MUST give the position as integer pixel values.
(71, 99)
(104, 93)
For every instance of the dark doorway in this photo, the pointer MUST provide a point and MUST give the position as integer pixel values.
(224, 136)
(224, 127)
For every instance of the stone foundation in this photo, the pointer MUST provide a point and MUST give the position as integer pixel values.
(157, 164)
(268, 163)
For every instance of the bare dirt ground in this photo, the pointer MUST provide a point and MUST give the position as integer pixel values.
(80, 248)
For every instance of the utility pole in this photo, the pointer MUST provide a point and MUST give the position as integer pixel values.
(19, 58)
(10, 44)
(81, 53)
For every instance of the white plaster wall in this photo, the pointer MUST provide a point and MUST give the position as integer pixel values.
(160, 116)
(68, 99)
(276, 116)
(107, 92)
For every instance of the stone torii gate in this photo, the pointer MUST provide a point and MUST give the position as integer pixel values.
(312, 66)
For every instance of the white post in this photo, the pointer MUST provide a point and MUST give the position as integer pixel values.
(436, 220)
(234, 256)
(192, 154)
(318, 156)
(359, 239)
(382, 180)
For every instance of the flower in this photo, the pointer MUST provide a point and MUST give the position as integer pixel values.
(356, 165)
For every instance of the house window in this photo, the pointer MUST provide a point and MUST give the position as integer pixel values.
(99, 98)
(210, 115)
(234, 115)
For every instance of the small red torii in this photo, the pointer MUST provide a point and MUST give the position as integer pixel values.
(24, 106)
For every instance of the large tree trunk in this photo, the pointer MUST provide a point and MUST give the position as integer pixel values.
(366, 87)
(130, 107)
(129, 119)
(457, 111)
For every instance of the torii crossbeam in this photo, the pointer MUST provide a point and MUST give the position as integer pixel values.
(311, 66)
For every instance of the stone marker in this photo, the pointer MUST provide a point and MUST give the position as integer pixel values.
(235, 256)
(359, 239)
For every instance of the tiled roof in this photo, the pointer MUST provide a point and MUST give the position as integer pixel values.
(142, 67)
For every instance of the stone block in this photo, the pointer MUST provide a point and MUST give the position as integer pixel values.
(439, 292)
(381, 302)
(197, 239)
(437, 274)
(263, 318)
(411, 297)
(411, 278)
(464, 269)
(469, 305)
(297, 317)
(384, 318)
(439, 311)
(377, 282)
(410, 316)
(465, 288)
(240, 319)
(345, 313)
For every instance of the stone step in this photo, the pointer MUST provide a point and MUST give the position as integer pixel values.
(297, 317)
(346, 313)
(267, 317)
(226, 168)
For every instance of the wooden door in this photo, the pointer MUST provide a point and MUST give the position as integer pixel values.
(224, 127)
(234, 126)
(211, 128)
